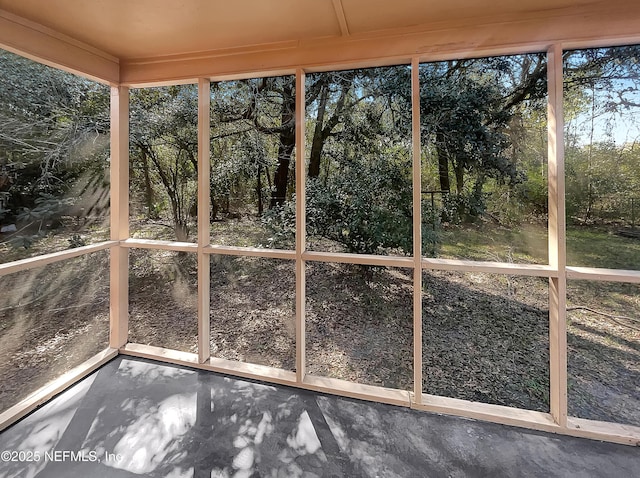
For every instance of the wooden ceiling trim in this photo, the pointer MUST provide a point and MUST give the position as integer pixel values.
(222, 52)
(52, 48)
(342, 19)
(505, 37)
(503, 34)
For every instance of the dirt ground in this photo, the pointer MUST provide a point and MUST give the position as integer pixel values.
(52, 319)
(485, 336)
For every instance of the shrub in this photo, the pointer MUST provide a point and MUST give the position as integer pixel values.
(366, 208)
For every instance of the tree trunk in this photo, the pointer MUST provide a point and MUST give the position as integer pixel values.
(281, 177)
(259, 190)
(479, 185)
(182, 231)
(459, 169)
(148, 188)
(318, 136)
(286, 145)
(214, 204)
(443, 164)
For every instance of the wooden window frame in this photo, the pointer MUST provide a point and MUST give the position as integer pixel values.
(556, 421)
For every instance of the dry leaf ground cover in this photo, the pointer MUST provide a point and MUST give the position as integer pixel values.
(485, 336)
(52, 318)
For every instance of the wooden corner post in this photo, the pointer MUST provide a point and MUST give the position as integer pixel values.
(301, 235)
(557, 241)
(417, 231)
(204, 227)
(119, 267)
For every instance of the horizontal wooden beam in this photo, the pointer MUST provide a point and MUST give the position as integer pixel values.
(270, 374)
(596, 26)
(510, 268)
(52, 48)
(613, 432)
(592, 429)
(230, 367)
(249, 251)
(363, 259)
(43, 260)
(359, 391)
(597, 430)
(60, 384)
(536, 270)
(160, 245)
(210, 249)
(488, 412)
(177, 357)
(610, 275)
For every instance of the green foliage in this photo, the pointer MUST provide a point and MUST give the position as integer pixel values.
(533, 194)
(252, 132)
(76, 240)
(280, 221)
(35, 222)
(47, 207)
(465, 112)
(601, 181)
(53, 146)
(164, 150)
(483, 129)
(367, 209)
(462, 208)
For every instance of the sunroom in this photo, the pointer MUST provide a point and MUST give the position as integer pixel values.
(420, 203)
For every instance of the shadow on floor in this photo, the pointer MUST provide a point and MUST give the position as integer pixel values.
(136, 417)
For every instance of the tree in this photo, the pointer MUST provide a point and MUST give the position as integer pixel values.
(359, 179)
(478, 118)
(252, 112)
(603, 86)
(53, 146)
(466, 110)
(164, 150)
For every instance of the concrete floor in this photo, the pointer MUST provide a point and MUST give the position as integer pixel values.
(136, 417)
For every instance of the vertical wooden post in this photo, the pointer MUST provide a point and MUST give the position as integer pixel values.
(119, 193)
(301, 234)
(204, 226)
(417, 231)
(557, 240)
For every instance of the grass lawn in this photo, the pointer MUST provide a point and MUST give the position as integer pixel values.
(593, 247)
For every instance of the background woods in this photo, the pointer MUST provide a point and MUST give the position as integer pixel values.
(483, 127)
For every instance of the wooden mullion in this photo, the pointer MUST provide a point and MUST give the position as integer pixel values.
(417, 232)
(119, 193)
(204, 227)
(301, 236)
(557, 240)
